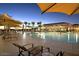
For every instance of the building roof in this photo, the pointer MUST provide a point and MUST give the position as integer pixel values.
(59, 23)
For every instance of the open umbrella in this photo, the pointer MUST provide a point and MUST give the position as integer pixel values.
(68, 8)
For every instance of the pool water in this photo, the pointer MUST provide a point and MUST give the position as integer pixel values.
(67, 37)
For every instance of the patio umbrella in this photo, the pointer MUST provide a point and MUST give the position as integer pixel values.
(68, 8)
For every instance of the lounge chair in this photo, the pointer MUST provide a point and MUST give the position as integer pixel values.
(31, 51)
(34, 50)
(47, 52)
(60, 53)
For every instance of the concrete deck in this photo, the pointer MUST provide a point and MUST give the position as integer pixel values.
(7, 49)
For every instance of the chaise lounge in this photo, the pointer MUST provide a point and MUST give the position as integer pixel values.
(35, 50)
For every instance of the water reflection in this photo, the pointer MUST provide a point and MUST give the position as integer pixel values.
(41, 35)
(68, 37)
(76, 37)
(24, 35)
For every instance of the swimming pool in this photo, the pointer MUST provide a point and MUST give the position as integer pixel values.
(67, 37)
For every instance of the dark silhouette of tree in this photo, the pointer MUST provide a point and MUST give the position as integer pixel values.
(33, 23)
(39, 25)
(28, 24)
(25, 23)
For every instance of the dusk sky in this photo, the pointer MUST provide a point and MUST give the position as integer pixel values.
(31, 12)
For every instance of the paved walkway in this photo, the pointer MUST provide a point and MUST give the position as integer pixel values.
(7, 49)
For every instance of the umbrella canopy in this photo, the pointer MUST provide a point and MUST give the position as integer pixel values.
(5, 19)
(68, 8)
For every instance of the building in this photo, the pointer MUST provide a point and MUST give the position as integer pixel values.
(75, 27)
(61, 26)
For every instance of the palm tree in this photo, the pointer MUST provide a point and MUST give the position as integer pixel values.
(33, 23)
(23, 27)
(39, 25)
(25, 24)
(28, 24)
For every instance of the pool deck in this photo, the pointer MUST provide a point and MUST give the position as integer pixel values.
(7, 49)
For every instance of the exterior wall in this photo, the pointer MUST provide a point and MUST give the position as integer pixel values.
(58, 27)
(76, 28)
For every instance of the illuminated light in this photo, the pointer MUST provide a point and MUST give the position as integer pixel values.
(1, 27)
(77, 29)
(12, 28)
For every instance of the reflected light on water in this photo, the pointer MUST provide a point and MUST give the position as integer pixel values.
(24, 35)
(76, 37)
(59, 36)
(68, 36)
(41, 35)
